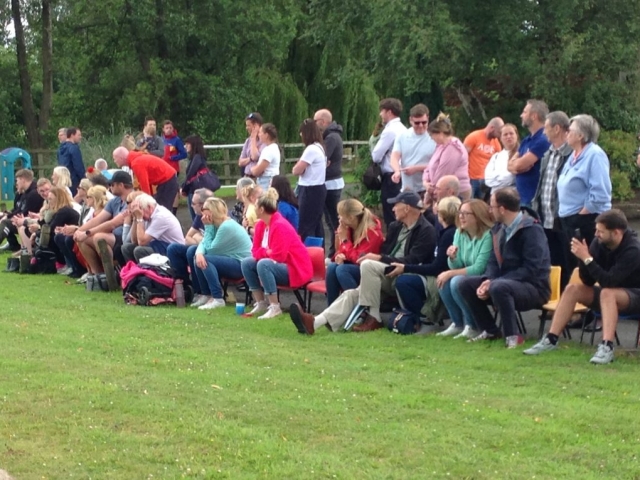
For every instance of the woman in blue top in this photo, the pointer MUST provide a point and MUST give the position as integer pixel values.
(469, 254)
(220, 253)
(312, 169)
(287, 201)
(584, 185)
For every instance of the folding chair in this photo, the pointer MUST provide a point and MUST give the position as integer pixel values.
(552, 305)
(318, 283)
(225, 282)
(301, 292)
(598, 316)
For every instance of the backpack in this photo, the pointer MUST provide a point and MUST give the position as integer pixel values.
(149, 285)
(43, 261)
(372, 177)
(405, 322)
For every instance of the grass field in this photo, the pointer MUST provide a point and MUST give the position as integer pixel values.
(91, 388)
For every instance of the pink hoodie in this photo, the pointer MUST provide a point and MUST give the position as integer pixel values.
(450, 158)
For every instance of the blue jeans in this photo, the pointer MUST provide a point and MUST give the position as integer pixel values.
(476, 188)
(182, 258)
(411, 292)
(456, 306)
(264, 182)
(264, 275)
(340, 278)
(217, 266)
(65, 245)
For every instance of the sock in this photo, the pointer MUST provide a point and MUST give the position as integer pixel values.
(608, 343)
(319, 321)
(553, 339)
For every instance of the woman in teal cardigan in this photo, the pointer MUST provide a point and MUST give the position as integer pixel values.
(219, 255)
(468, 255)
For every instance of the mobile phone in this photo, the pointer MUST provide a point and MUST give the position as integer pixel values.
(388, 269)
(577, 234)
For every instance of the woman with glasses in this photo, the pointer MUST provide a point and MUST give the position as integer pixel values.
(450, 158)
(311, 169)
(468, 255)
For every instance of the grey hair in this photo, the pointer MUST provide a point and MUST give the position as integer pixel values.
(560, 119)
(587, 127)
(100, 163)
(451, 182)
(540, 108)
(244, 182)
(145, 201)
(202, 194)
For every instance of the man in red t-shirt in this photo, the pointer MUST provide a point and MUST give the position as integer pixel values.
(150, 171)
(481, 145)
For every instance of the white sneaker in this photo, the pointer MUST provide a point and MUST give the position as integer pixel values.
(213, 303)
(452, 330)
(258, 307)
(467, 332)
(199, 300)
(273, 311)
(83, 278)
(65, 271)
(603, 355)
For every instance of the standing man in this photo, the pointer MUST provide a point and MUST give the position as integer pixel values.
(517, 274)
(150, 172)
(69, 156)
(526, 164)
(481, 145)
(390, 110)
(412, 151)
(333, 149)
(252, 145)
(149, 139)
(545, 200)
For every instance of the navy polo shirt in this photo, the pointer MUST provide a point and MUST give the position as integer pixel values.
(527, 182)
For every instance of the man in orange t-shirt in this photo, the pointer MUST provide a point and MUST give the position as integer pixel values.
(481, 145)
(150, 171)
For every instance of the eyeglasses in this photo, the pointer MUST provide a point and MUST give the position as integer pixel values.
(422, 122)
(466, 214)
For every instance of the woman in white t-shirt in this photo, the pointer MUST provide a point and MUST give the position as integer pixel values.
(268, 165)
(311, 169)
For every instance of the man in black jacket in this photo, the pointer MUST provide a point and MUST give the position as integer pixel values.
(517, 273)
(333, 148)
(612, 261)
(411, 239)
(27, 200)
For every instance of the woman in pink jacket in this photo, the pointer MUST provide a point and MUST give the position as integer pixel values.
(278, 258)
(450, 158)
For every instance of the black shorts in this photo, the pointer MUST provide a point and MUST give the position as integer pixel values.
(634, 301)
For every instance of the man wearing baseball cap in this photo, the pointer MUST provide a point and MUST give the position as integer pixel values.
(411, 239)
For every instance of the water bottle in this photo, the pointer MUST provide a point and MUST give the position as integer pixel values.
(179, 294)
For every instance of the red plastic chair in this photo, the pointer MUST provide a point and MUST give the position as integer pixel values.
(317, 260)
(318, 284)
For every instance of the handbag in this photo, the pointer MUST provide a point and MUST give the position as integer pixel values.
(372, 177)
(204, 178)
(405, 322)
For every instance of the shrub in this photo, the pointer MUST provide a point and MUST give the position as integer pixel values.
(625, 175)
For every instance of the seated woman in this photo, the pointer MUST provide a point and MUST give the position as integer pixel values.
(287, 201)
(94, 202)
(469, 254)
(61, 178)
(359, 232)
(62, 213)
(224, 245)
(411, 285)
(237, 212)
(450, 158)
(278, 258)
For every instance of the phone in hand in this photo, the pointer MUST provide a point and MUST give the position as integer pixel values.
(577, 234)
(388, 269)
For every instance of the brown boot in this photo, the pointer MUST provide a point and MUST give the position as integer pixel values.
(303, 321)
(368, 325)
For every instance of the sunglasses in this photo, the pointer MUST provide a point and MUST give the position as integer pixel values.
(424, 122)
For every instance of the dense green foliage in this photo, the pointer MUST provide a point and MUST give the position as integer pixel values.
(207, 64)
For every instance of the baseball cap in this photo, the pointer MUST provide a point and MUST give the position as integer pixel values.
(408, 198)
(121, 177)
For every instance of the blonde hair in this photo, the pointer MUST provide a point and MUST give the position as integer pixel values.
(133, 195)
(128, 142)
(482, 215)
(64, 177)
(249, 191)
(217, 207)
(366, 220)
(62, 199)
(99, 195)
(85, 184)
(448, 209)
(442, 124)
(269, 201)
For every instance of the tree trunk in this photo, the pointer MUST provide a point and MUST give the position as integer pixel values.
(30, 120)
(47, 66)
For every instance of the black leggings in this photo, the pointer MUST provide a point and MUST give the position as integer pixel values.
(311, 207)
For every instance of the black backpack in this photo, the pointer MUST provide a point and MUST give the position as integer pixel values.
(43, 261)
(372, 177)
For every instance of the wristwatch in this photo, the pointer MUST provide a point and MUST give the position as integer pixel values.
(588, 260)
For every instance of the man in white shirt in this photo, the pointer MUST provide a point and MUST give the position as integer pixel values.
(390, 110)
(412, 151)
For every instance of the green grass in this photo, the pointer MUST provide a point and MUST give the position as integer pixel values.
(92, 388)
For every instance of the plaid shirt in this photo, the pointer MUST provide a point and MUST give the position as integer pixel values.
(548, 192)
